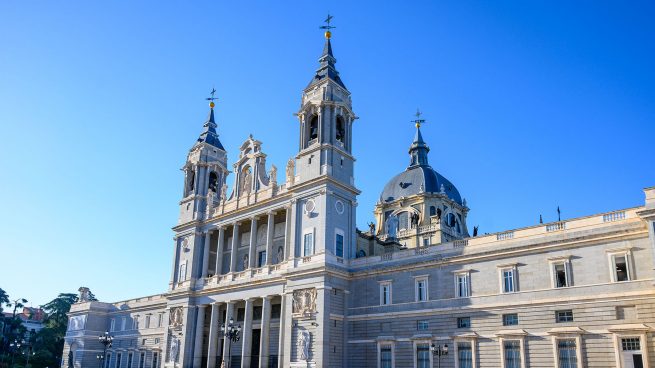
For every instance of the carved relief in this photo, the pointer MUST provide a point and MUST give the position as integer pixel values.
(290, 172)
(304, 302)
(304, 341)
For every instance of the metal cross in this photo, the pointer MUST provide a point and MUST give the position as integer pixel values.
(418, 120)
(212, 98)
(327, 20)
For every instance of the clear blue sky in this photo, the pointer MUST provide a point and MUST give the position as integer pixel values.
(530, 105)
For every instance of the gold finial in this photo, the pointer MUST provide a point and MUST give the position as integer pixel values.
(418, 120)
(328, 27)
(212, 98)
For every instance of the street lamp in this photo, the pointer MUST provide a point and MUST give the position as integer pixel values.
(231, 332)
(439, 351)
(15, 346)
(106, 341)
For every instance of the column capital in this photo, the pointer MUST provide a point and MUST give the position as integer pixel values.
(268, 297)
(201, 306)
(271, 213)
(254, 217)
(236, 223)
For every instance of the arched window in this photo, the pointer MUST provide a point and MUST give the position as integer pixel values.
(313, 128)
(190, 179)
(433, 210)
(341, 129)
(450, 220)
(403, 221)
(213, 182)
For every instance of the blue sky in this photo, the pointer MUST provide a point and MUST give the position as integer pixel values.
(530, 106)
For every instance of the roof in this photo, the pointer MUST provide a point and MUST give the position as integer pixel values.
(209, 134)
(327, 68)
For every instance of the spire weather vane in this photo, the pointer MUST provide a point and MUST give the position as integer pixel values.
(327, 27)
(212, 98)
(418, 120)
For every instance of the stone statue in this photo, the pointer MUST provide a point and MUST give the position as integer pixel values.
(475, 231)
(290, 172)
(442, 190)
(85, 294)
(247, 181)
(223, 192)
(174, 350)
(210, 202)
(371, 228)
(414, 218)
(303, 344)
(245, 262)
(280, 255)
(421, 188)
(272, 177)
(175, 319)
(392, 226)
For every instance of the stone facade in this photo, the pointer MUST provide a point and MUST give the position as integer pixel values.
(286, 262)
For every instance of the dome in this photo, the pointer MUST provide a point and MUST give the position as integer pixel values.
(418, 179)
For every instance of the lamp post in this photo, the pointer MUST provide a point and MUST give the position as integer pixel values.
(231, 332)
(439, 351)
(15, 346)
(106, 341)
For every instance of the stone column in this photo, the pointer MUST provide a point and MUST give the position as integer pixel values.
(220, 248)
(280, 349)
(229, 311)
(263, 342)
(321, 342)
(288, 328)
(252, 250)
(289, 228)
(235, 247)
(200, 329)
(270, 230)
(176, 256)
(214, 328)
(247, 335)
(205, 254)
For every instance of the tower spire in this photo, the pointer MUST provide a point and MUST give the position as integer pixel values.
(327, 60)
(209, 134)
(418, 151)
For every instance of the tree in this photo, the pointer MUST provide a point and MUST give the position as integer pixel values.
(4, 299)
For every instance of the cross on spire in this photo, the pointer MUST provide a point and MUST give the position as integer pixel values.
(212, 98)
(418, 120)
(327, 27)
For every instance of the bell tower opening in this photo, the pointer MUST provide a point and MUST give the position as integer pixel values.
(341, 130)
(313, 129)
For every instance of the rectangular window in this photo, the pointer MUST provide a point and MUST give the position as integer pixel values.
(130, 356)
(338, 251)
(564, 316)
(107, 360)
(385, 293)
(630, 344)
(423, 356)
(510, 319)
(308, 244)
(508, 280)
(147, 321)
(112, 325)
(256, 313)
(422, 325)
(421, 290)
(512, 351)
(119, 357)
(462, 284)
(620, 263)
(123, 323)
(464, 355)
(566, 354)
(275, 311)
(386, 359)
(241, 314)
(182, 275)
(135, 322)
(559, 271)
(142, 360)
(463, 322)
(261, 259)
(155, 360)
(160, 320)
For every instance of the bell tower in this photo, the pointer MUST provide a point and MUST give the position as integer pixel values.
(326, 118)
(205, 171)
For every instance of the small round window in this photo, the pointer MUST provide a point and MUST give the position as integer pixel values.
(310, 206)
(339, 206)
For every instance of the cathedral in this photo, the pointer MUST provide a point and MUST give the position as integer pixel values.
(271, 271)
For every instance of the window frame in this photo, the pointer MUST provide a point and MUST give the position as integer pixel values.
(474, 349)
(562, 312)
(566, 262)
(392, 345)
(629, 331)
(422, 322)
(389, 285)
(311, 233)
(417, 280)
(466, 276)
(338, 232)
(612, 254)
(505, 317)
(577, 336)
(521, 340)
(464, 318)
(501, 277)
(422, 342)
(112, 325)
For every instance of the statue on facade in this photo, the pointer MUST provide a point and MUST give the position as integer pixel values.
(210, 202)
(371, 228)
(174, 350)
(304, 302)
(223, 193)
(392, 226)
(175, 319)
(280, 255)
(247, 181)
(85, 294)
(475, 231)
(303, 344)
(272, 176)
(414, 218)
(442, 189)
(290, 172)
(245, 262)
